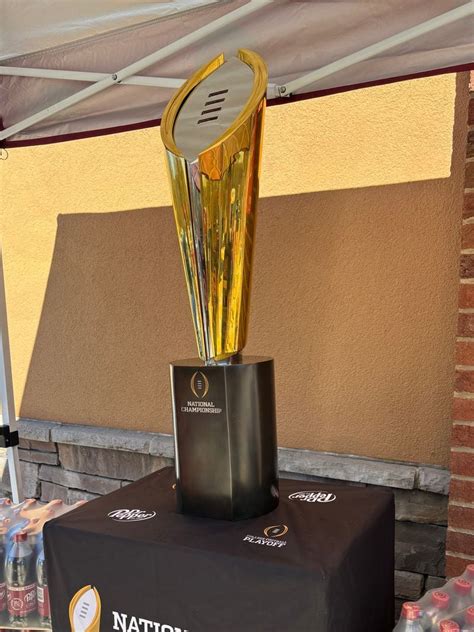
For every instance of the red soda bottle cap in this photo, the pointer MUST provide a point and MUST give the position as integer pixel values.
(440, 599)
(20, 536)
(449, 626)
(410, 611)
(470, 571)
(470, 615)
(462, 586)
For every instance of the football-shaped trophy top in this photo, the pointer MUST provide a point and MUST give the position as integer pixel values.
(212, 106)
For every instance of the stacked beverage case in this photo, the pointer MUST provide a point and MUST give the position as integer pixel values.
(447, 609)
(24, 595)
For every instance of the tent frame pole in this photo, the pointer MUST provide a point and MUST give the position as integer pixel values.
(8, 420)
(89, 77)
(379, 47)
(138, 66)
(92, 77)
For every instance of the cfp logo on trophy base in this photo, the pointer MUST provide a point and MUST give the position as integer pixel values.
(313, 497)
(272, 537)
(199, 385)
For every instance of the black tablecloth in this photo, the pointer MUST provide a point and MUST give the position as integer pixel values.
(321, 562)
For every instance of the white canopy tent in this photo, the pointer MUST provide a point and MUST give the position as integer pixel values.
(69, 70)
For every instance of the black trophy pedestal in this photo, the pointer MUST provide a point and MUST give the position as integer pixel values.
(225, 434)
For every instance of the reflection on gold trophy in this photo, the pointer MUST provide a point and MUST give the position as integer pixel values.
(85, 610)
(214, 182)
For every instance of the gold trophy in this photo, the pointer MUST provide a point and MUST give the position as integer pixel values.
(223, 403)
(85, 610)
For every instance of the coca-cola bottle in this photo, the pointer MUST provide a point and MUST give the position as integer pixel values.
(64, 509)
(435, 608)
(44, 608)
(410, 619)
(20, 574)
(26, 505)
(447, 625)
(461, 595)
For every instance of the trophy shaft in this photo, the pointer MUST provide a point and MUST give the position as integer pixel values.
(213, 134)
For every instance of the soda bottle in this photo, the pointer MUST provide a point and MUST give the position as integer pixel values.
(44, 608)
(468, 573)
(6, 510)
(3, 585)
(12, 530)
(64, 509)
(447, 625)
(410, 618)
(34, 529)
(461, 597)
(469, 576)
(435, 608)
(468, 624)
(21, 581)
(39, 510)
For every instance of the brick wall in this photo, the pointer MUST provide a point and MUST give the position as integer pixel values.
(460, 538)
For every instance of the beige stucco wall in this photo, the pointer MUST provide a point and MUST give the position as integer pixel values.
(354, 286)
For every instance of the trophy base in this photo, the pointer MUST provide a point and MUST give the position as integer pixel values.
(225, 438)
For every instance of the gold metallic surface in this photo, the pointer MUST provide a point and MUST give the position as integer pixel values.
(214, 200)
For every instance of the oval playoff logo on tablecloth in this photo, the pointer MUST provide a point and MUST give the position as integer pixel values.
(313, 497)
(276, 531)
(271, 537)
(131, 515)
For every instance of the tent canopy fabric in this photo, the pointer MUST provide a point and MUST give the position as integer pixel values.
(52, 50)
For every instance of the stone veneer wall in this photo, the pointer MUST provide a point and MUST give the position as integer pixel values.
(74, 462)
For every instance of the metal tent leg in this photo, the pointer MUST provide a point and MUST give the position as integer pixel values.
(8, 418)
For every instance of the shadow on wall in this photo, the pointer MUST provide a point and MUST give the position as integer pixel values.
(114, 313)
(353, 292)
